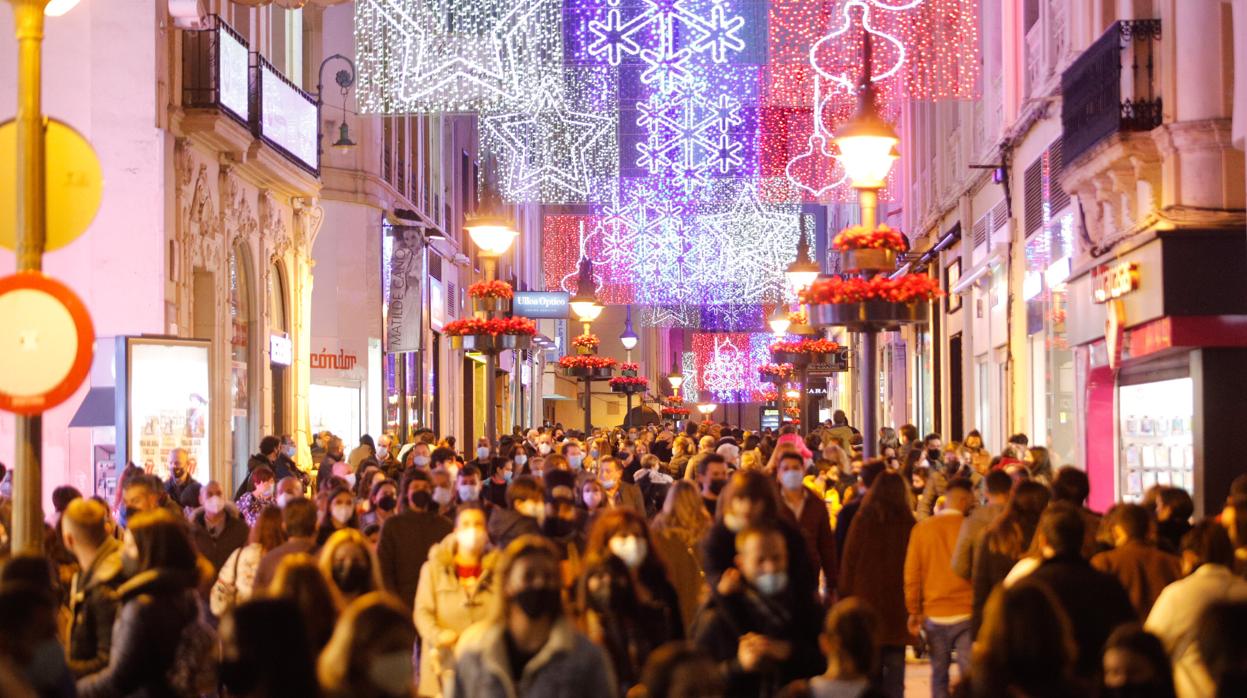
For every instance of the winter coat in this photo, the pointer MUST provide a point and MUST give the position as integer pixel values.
(185, 494)
(629, 495)
(815, 527)
(267, 569)
(403, 548)
(718, 552)
(505, 525)
(967, 538)
(684, 571)
(1176, 616)
(253, 462)
(93, 605)
(567, 665)
(444, 604)
(1094, 602)
(238, 572)
(725, 619)
(627, 624)
(218, 547)
(990, 569)
(872, 568)
(160, 646)
(1144, 570)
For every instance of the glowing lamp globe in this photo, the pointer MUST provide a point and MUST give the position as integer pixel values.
(792, 394)
(492, 234)
(800, 276)
(779, 320)
(676, 379)
(586, 310)
(56, 8)
(707, 408)
(867, 159)
(629, 340)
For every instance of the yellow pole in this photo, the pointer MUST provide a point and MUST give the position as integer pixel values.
(27, 534)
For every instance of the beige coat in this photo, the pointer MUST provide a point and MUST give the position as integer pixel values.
(443, 605)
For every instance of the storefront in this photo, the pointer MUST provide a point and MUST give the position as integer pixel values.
(1161, 337)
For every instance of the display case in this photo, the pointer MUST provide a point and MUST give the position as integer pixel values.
(1155, 438)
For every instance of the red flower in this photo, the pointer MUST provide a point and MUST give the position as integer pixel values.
(905, 289)
(805, 346)
(860, 238)
(675, 411)
(629, 367)
(491, 289)
(587, 361)
(629, 380)
(768, 394)
(494, 326)
(586, 341)
(784, 371)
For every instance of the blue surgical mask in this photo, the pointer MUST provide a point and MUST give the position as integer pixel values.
(482, 452)
(575, 461)
(521, 459)
(593, 453)
(420, 461)
(506, 476)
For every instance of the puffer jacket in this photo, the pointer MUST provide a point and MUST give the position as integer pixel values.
(161, 648)
(93, 604)
(445, 605)
(568, 665)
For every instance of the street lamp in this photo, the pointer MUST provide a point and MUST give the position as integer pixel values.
(803, 270)
(867, 151)
(344, 78)
(779, 320)
(676, 379)
(706, 409)
(585, 303)
(628, 338)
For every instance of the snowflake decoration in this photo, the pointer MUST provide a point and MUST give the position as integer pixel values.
(419, 56)
(690, 388)
(757, 241)
(691, 136)
(686, 316)
(563, 149)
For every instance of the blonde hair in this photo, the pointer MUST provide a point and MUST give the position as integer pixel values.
(683, 513)
(342, 538)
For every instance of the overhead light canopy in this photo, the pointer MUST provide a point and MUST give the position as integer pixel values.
(585, 303)
(779, 320)
(867, 142)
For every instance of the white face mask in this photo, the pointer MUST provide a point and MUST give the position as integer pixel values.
(341, 513)
(214, 504)
(285, 498)
(469, 493)
(771, 583)
(482, 453)
(521, 459)
(630, 549)
(392, 673)
(453, 469)
(420, 461)
(791, 479)
(544, 449)
(441, 495)
(734, 522)
(471, 539)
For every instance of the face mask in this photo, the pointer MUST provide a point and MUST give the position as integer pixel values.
(469, 493)
(284, 498)
(791, 479)
(592, 499)
(130, 513)
(213, 505)
(734, 522)
(544, 449)
(771, 583)
(933, 454)
(420, 461)
(387, 502)
(391, 673)
(351, 576)
(453, 469)
(341, 513)
(593, 453)
(630, 549)
(482, 453)
(607, 484)
(538, 603)
(442, 495)
(532, 509)
(506, 476)
(575, 461)
(420, 499)
(521, 459)
(716, 486)
(470, 539)
(289, 451)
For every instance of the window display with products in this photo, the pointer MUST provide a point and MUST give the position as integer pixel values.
(166, 403)
(1154, 433)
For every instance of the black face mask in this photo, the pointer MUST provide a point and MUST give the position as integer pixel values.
(421, 499)
(716, 486)
(239, 676)
(131, 512)
(934, 454)
(351, 576)
(387, 503)
(538, 603)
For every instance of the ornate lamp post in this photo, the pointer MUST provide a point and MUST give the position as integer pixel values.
(587, 309)
(628, 339)
(706, 409)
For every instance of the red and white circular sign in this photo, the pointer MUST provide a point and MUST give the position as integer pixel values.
(47, 344)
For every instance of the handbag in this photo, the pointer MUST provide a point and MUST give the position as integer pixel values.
(225, 594)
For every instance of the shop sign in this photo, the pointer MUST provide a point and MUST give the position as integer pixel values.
(541, 304)
(342, 361)
(280, 350)
(837, 363)
(1110, 282)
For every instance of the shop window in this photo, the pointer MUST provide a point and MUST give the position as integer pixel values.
(278, 325)
(242, 331)
(1154, 430)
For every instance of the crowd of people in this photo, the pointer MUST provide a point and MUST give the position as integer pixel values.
(650, 561)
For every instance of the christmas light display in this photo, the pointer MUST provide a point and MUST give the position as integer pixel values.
(738, 381)
(689, 389)
(669, 316)
(757, 242)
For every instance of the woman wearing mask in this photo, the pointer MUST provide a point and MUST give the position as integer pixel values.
(347, 560)
(494, 492)
(678, 530)
(456, 590)
(160, 646)
(594, 499)
(384, 499)
(873, 569)
(339, 513)
(299, 580)
(444, 488)
(628, 604)
(528, 647)
(482, 455)
(250, 667)
(1004, 542)
(369, 655)
(236, 581)
(262, 494)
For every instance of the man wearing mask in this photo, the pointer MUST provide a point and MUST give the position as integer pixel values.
(618, 492)
(711, 477)
(407, 536)
(546, 652)
(93, 599)
(482, 454)
(763, 634)
(807, 512)
(217, 529)
(937, 478)
(387, 457)
(298, 519)
(181, 485)
(421, 455)
(288, 489)
(467, 488)
(144, 493)
(524, 515)
(574, 454)
(284, 465)
(494, 492)
(384, 498)
(333, 456)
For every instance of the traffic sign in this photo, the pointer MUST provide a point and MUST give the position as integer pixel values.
(74, 184)
(46, 350)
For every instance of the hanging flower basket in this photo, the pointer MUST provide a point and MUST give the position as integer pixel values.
(490, 335)
(867, 260)
(776, 373)
(491, 304)
(629, 385)
(870, 316)
(630, 370)
(803, 352)
(490, 343)
(491, 296)
(576, 366)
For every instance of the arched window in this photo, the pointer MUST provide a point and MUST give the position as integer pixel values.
(279, 326)
(242, 339)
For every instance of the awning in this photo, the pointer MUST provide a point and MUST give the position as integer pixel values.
(98, 409)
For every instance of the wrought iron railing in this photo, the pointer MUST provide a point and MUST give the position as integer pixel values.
(1112, 87)
(215, 70)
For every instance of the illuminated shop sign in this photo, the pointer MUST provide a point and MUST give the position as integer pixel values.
(1114, 281)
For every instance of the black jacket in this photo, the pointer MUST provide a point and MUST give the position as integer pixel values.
(723, 620)
(185, 494)
(217, 548)
(252, 463)
(404, 546)
(159, 607)
(1095, 602)
(718, 552)
(505, 525)
(93, 604)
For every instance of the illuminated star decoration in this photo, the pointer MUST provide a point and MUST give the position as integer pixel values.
(562, 150)
(421, 56)
(757, 242)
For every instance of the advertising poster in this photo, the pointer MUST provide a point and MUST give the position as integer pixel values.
(402, 275)
(168, 404)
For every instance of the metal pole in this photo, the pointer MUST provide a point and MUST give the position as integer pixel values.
(27, 534)
(491, 369)
(628, 412)
(588, 406)
(870, 395)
